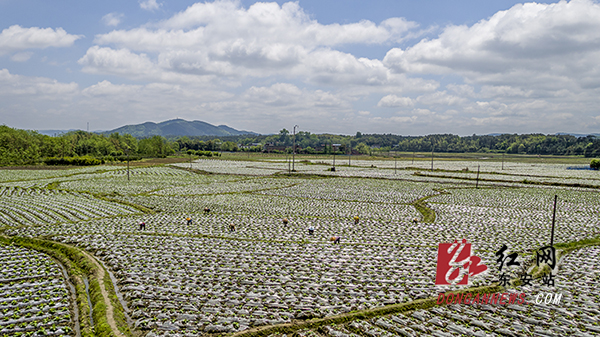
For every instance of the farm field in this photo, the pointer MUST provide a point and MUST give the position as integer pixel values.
(176, 278)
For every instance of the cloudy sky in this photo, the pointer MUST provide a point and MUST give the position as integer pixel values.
(341, 66)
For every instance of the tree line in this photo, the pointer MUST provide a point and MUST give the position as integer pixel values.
(23, 147)
(306, 142)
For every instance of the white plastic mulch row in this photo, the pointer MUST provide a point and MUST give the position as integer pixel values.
(30, 207)
(34, 300)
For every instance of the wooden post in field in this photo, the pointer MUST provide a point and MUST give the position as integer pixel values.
(553, 220)
(432, 147)
(477, 183)
(294, 150)
(332, 148)
(127, 165)
(350, 155)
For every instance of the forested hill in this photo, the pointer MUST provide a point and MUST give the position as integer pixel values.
(20, 147)
(177, 127)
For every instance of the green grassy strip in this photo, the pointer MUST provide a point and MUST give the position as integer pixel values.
(428, 213)
(78, 266)
(421, 206)
(303, 175)
(118, 311)
(140, 208)
(101, 327)
(290, 328)
(571, 246)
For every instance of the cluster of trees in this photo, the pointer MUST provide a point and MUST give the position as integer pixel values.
(23, 147)
(198, 144)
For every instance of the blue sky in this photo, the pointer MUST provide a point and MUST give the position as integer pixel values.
(403, 67)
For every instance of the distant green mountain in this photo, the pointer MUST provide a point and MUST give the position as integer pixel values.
(178, 127)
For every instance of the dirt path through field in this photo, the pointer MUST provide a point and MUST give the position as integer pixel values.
(109, 307)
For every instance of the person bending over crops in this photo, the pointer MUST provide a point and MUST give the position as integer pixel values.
(311, 230)
(336, 239)
(189, 221)
(231, 227)
(142, 225)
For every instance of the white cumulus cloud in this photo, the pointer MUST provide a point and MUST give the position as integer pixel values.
(545, 45)
(21, 57)
(113, 19)
(149, 5)
(223, 38)
(16, 38)
(390, 101)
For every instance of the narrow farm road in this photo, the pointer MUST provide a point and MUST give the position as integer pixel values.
(109, 307)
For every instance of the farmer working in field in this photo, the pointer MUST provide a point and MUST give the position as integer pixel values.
(142, 225)
(335, 239)
(189, 220)
(231, 227)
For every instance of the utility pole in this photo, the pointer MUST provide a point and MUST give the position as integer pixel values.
(350, 155)
(477, 183)
(553, 220)
(333, 149)
(128, 165)
(502, 161)
(432, 147)
(294, 149)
